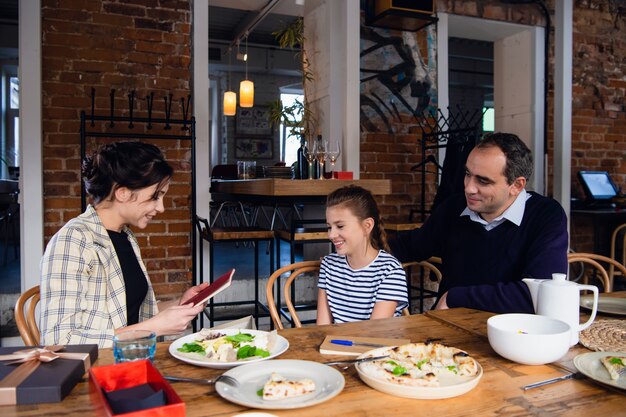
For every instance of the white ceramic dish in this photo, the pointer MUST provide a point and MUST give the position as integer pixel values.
(589, 364)
(529, 339)
(607, 305)
(450, 386)
(329, 382)
(279, 347)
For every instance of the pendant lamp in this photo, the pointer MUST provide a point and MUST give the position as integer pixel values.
(246, 87)
(230, 98)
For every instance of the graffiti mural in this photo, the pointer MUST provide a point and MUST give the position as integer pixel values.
(394, 77)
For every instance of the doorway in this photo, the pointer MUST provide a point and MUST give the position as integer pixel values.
(518, 77)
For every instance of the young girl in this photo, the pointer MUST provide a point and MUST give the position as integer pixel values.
(362, 280)
(93, 281)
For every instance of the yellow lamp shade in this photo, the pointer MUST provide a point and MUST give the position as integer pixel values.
(246, 93)
(230, 103)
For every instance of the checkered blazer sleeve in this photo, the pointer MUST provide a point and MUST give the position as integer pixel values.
(74, 291)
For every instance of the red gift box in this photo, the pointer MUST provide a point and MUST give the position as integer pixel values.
(130, 374)
(40, 378)
(342, 175)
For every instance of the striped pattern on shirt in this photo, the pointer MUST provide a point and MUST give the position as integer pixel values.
(352, 293)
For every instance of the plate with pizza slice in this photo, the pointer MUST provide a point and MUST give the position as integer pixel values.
(603, 367)
(282, 384)
(421, 371)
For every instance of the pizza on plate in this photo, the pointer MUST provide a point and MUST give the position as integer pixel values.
(615, 365)
(420, 364)
(280, 388)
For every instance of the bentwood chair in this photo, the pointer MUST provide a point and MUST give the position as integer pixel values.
(598, 268)
(619, 235)
(425, 270)
(298, 269)
(25, 316)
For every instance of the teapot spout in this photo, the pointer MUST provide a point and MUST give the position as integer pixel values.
(533, 287)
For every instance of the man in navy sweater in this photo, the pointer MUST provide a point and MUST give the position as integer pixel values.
(494, 235)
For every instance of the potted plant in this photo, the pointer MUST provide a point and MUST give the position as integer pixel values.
(298, 117)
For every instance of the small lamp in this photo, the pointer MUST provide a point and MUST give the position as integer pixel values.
(246, 87)
(230, 103)
(230, 98)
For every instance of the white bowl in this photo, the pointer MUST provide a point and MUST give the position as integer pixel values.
(528, 338)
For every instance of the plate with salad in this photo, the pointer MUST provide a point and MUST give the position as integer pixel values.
(222, 349)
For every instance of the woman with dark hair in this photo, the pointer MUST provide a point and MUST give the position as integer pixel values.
(93, 281)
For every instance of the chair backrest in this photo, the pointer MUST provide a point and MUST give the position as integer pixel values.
(295, 270)
(594, 260)
(25, 316)
(427, 267)
(618, 234)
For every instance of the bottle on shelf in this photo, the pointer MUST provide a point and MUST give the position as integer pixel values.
(303, 164)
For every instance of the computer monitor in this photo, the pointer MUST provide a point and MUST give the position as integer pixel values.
(598, 185)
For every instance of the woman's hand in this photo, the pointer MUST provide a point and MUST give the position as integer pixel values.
(191, 292)
(173, 320)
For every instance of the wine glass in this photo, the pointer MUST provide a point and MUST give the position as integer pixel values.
(309, 154)
(319, 149)
(333, 152)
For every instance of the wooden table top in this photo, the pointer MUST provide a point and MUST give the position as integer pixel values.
(280, 187)
(498, 393)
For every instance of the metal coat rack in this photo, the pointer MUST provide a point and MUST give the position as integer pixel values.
(188, 133)
(440, 131)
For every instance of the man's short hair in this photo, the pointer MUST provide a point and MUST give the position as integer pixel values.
(519, 159)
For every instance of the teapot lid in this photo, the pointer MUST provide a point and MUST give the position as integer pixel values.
(559, 279)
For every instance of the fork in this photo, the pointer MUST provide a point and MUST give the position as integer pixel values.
(226, 379)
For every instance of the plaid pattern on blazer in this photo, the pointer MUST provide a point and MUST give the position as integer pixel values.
(83, 296)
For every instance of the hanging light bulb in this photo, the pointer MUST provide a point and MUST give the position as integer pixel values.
(246, 87)
(230, 98)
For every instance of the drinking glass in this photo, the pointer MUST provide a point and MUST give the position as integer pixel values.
(134, 345)
(309, 154)
(319, 149)
(333, 152)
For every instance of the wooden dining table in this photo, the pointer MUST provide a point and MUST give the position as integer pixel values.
(498, 393)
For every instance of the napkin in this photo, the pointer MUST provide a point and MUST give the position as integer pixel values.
(139, 397)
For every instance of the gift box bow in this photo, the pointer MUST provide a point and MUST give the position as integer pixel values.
(30, 359)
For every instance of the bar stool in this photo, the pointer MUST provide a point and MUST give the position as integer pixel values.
(223, 235)
(300, 233)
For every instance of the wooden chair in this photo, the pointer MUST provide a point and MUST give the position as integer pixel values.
(427, 270)
(295, 270)
(594, 261)
(618, 234)
(25, 316)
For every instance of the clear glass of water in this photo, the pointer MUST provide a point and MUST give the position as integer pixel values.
(134, 345)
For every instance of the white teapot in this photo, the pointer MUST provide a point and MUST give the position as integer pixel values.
(560, 299)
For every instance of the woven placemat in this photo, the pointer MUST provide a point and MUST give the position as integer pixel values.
(605, 336)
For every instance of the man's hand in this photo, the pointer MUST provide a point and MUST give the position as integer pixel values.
(442, 305)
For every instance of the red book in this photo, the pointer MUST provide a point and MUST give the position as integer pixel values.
(212, 290)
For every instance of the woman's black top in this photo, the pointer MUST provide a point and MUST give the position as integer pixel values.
(134, 278)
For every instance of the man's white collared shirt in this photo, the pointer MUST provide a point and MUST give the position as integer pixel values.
(514, 213)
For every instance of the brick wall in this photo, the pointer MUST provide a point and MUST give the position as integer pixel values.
(141, 45)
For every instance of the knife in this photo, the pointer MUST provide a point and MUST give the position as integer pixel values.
(351, 343)
(574, 375)
(368, 359)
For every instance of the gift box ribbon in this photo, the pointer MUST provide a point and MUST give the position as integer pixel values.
(30, 360)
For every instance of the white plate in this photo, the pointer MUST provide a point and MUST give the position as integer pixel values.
(590, 365)
(450, 386)
(329, 383)
(608, 305)
(280, 347)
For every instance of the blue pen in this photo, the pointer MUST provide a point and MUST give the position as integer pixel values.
(351, 343)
